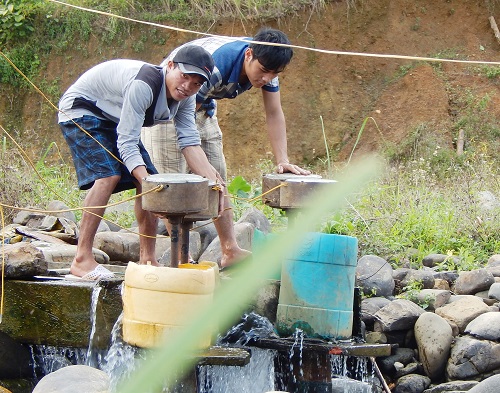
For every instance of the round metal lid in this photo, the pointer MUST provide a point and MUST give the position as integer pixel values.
(311, 180)
(175, 178)
(290, 176)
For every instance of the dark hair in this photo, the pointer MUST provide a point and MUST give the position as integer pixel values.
(273, 58)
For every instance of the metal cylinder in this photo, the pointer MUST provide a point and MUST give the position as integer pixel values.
(213, 205)
(180, 194)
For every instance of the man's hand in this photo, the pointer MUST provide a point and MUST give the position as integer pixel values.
(284, 167)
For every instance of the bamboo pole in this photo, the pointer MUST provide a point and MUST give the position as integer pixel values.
(460, 142)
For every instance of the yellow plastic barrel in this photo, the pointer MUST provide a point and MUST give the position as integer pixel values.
(159, 301)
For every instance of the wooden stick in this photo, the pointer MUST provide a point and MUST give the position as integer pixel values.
(460, 142)
(495, 28)
(380, 376)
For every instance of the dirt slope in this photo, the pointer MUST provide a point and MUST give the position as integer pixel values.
(342, 90)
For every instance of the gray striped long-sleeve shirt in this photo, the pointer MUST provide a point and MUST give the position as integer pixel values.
(122, 91)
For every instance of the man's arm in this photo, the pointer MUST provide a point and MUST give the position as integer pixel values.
(198, 163)
(276, 130)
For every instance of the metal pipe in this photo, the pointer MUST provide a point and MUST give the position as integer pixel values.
(185, 228)
(174, 240)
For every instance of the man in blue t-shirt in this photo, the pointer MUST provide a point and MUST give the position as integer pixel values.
(239, 66)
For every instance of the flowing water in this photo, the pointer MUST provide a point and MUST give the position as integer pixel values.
(255, 377)
(349, 374)
(93, 358)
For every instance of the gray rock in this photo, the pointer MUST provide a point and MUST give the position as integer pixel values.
(410, 368)
(119, 246)
(374, 276)
(341, 385)
(434, 298)
(473, 281)
(370, 306)
(376, 338)
(434, 336)
(412, 383)
(485, 326)
(400, 273)
(439, 283)
(207, 232)
(104, 227)
(452, 386)
(59, 205)
(23, 217)
(471, 357)
(265, 301)
(494, 261)
(462, 311)
(23, 260)
(71, 379)
(65, 253)
(257, 218)
(489, 385)
(400, 314)
(449, 276)
(494, 291)
(400, 355)
(244, 235)
(432, 260)
(426, 278)
(494, 270)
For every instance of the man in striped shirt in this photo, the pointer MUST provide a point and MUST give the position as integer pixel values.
(101, 116)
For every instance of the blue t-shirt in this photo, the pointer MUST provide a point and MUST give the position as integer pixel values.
(228, 54)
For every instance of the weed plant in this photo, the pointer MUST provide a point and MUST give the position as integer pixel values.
(25, 183)
(418, 208)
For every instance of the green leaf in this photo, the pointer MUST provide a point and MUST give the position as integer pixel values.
(239, 184)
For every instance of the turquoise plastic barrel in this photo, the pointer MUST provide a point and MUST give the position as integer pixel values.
(317, 287)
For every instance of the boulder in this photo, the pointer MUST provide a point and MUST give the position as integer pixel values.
(374, 276)
(400, 314)
(463, 311)
(473, 281)
(470, 357)
(434, 336)
(71, 379)
(486, 326)
(23, 260)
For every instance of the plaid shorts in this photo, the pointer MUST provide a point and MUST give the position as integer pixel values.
(91, 161)
(161, 143)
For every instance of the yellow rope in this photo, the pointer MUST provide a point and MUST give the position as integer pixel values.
(282, 184)
(156, 189)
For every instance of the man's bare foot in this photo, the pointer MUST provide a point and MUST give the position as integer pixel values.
(88, 270)
(152, 263)
(232, 257)
(81, 267)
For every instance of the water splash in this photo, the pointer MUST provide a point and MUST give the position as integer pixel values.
(93, 358)
(251, 326)
(256, 377)
(352, 374)
(47, 358)
(297, 344)
(121, 360)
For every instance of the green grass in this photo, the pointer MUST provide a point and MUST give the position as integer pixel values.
(413, 211)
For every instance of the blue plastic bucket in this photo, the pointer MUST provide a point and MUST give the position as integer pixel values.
(317, 287)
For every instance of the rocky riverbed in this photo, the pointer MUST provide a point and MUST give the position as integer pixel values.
(444, 324)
